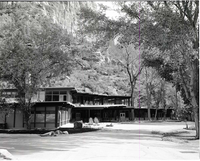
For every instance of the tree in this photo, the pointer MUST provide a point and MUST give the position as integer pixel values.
(116, 36)
(127, 56)
(150, 79)
(33, 49)
(173, 28)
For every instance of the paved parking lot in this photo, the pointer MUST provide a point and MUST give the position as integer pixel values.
(121, 142)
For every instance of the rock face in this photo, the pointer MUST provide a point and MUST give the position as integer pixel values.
(64, 13)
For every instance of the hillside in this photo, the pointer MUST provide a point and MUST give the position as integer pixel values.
(93, 71)
(99, 76)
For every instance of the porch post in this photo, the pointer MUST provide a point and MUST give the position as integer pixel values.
(56, 116)
(45, 109)
(132, 114)
(14, 117)
(34, 116)
(89, 113)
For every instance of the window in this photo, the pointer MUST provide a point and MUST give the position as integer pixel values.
(40, 116)
(49, 92)
(56, 96)
(55, 92)
(48, 97)
(63, 92)
(9, 94)
(111, 101)
(50, 117)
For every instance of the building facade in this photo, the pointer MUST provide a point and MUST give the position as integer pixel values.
(54, 107)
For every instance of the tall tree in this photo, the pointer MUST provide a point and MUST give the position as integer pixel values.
(33, 49)
(117, 36)
(151, 78)
(173, 28)
(127, 56)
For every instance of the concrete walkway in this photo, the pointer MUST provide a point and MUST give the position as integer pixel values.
(120, 142)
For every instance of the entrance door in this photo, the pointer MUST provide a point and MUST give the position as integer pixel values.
(122, 116)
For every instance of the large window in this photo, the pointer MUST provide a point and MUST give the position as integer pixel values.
(9, 94)
(48, 96)
(40, 117)
(50, 118)
(56, 96)
(50, 114)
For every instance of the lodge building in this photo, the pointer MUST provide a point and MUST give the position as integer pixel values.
(54, 107)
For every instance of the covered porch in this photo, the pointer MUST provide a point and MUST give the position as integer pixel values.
(104, 113)
(50, 115)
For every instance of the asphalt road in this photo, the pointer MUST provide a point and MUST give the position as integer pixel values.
(105, 144)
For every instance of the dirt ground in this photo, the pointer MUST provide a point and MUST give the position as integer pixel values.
(129, 141)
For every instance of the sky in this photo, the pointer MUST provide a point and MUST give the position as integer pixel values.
(111, 12)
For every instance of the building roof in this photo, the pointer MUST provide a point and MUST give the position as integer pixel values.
(63, 103)
(99, 106)
(100, 95)
(75, 91)
(59, 88)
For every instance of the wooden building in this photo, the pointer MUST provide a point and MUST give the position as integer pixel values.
(54, 107)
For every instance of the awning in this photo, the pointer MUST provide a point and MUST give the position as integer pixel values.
(54, 103)
(99, 106)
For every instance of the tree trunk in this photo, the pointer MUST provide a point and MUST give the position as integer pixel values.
(148, 101)
(165, 113)
(163, 98)
(196, 112)
(156, 112)
(132, 105)
(27, 119)
(5, 120)
(132, 101)
(194, 94)
(196, 119)
(175, 115)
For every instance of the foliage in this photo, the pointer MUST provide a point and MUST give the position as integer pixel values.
(114, 35)
(172, 28)
(33, 49)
